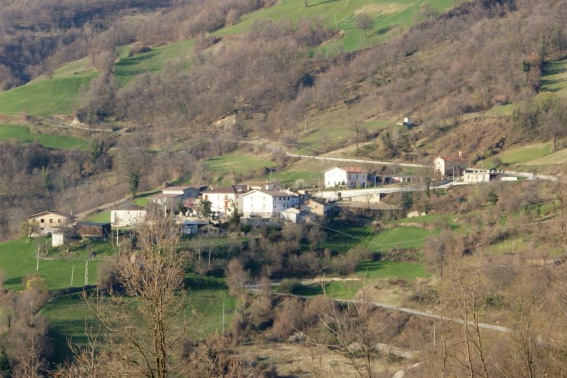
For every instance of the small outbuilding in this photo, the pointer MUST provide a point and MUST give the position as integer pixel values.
(94, 229)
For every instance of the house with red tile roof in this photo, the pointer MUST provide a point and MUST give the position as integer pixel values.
(450, 166)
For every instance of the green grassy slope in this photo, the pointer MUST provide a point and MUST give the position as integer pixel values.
(45, 96)
(69, 315)
(341, 14)
(18, 259)
(555, 77)
(22, 134)
(152, 61)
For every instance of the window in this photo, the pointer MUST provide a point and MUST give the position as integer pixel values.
(51, 221)
(42, 220)
(58, 220)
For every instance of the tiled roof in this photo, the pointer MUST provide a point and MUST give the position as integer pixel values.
(62, 214)
(350, 169)
(353, 169)
(448, 158)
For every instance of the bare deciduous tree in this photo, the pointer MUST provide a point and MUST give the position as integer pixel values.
(146, 325)
(365, 22)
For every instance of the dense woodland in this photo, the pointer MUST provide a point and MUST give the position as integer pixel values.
(478, 55)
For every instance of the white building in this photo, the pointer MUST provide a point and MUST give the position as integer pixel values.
(225, 200)
(448, 166)
(128, 216)
(267, 203)
(350, 177)
(474, 175)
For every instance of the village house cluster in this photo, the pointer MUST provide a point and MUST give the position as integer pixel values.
(195, 207)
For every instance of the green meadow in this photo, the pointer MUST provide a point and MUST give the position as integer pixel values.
(402, 237)
(152, 61)
(69, 317)
(238, 163)
(341, 15)
(22, 134)
(366, 272)
(45, 96)
(18, 260)
(524, 154)
(554, 77)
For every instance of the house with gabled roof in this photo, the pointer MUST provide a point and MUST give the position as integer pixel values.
(349, 177)
(267, 203)
(185, 191)
(450, 166)
(225, 200)
(128, 216)
(173, 198)
(49, 221)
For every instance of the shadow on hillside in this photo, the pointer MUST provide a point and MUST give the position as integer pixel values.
(381, 31)
(13, 281)
(127, 65)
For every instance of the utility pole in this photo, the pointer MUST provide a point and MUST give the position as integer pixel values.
(86, 272)
(223, 315)
(37, 258)
(72, 275)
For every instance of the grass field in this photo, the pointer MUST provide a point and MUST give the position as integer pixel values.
(45, 96)
(333, 129)
(102, 217)
(403, 237)
(367, 271)
(554, 77)
(555, 158)
(344, 236)
(18, 259)
(69, 314)
(23, 134)
(522, 155)
(237, 163)
(152, 61)
(341, 15)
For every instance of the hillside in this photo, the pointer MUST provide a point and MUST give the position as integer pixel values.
(105, 103)
(287, 78)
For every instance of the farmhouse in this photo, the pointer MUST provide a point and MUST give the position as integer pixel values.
(267, 203)
(49, 221)
(128, 216)
(173, 198)
(350, 177)
(225, 200)
(449, 166)
(320, 209)
(185, 192)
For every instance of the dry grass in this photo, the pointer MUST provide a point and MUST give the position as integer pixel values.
(293, 360)
(382, 9)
